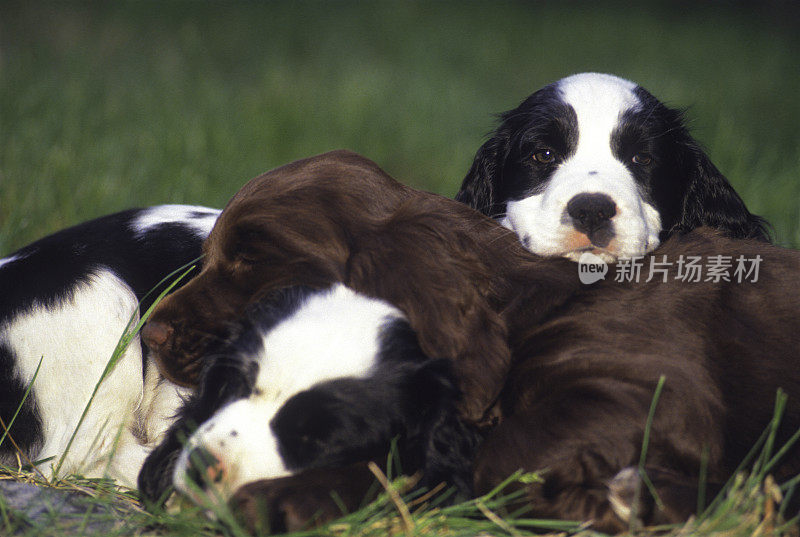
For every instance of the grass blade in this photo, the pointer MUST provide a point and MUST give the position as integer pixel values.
(131, 330)
(7, 427)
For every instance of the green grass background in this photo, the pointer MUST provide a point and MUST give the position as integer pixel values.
(105, 106)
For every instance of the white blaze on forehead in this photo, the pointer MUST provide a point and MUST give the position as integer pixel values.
(599, 102)
(334, 334)
(198, 218)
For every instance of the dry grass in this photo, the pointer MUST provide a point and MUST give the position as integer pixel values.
(749, 508)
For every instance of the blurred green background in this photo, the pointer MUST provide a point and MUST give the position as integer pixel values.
(104, 106)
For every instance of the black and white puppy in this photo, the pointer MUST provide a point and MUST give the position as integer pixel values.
(66, 300)
(314, 379)
(596, 163)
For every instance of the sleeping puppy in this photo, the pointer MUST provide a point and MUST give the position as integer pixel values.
(67, 299)
(596, 163)
(338, 217)
(584, 359)
(577, 397)
(314, 379)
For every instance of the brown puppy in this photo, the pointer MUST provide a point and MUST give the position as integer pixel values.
(581, 384)
(586, 358)
(340, 218)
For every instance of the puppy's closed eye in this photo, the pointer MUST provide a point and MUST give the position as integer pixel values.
(247, 245)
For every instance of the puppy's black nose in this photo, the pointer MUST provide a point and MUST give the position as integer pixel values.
(591, 211)
(204, 468)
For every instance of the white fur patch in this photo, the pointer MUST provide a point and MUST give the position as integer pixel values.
(334, 334)
(540, 220)
(75, 340)
(200, 219)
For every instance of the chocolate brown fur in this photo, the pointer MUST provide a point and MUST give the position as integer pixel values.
(569, 369)
(339, 218)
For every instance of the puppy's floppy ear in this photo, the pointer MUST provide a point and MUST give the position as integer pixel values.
(711, 201)
(478, 190)
(452, 445)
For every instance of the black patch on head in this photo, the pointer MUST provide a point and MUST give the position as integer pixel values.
(504, 167)
(333, 424)
(680, 182)
(408, 398)
(657, 132)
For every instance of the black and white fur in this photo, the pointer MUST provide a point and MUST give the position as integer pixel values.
(315, 379)
(66, 300)
(596, 163)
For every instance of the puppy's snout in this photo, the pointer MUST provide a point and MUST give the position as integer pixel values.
(204, 468)
(590, 212)
(156, 334)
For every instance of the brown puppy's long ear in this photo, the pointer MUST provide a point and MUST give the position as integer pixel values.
(711, 201)
(457, 325)
(438, 270)
(479, 186)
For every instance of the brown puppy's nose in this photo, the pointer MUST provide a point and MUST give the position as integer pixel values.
(156, 334)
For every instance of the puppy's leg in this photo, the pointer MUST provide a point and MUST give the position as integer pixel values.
(124, 463)
(580, 440)
(158, 409)
(575, 471)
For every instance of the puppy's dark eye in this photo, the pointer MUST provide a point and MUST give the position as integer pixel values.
(642, 159)
(545, 156)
